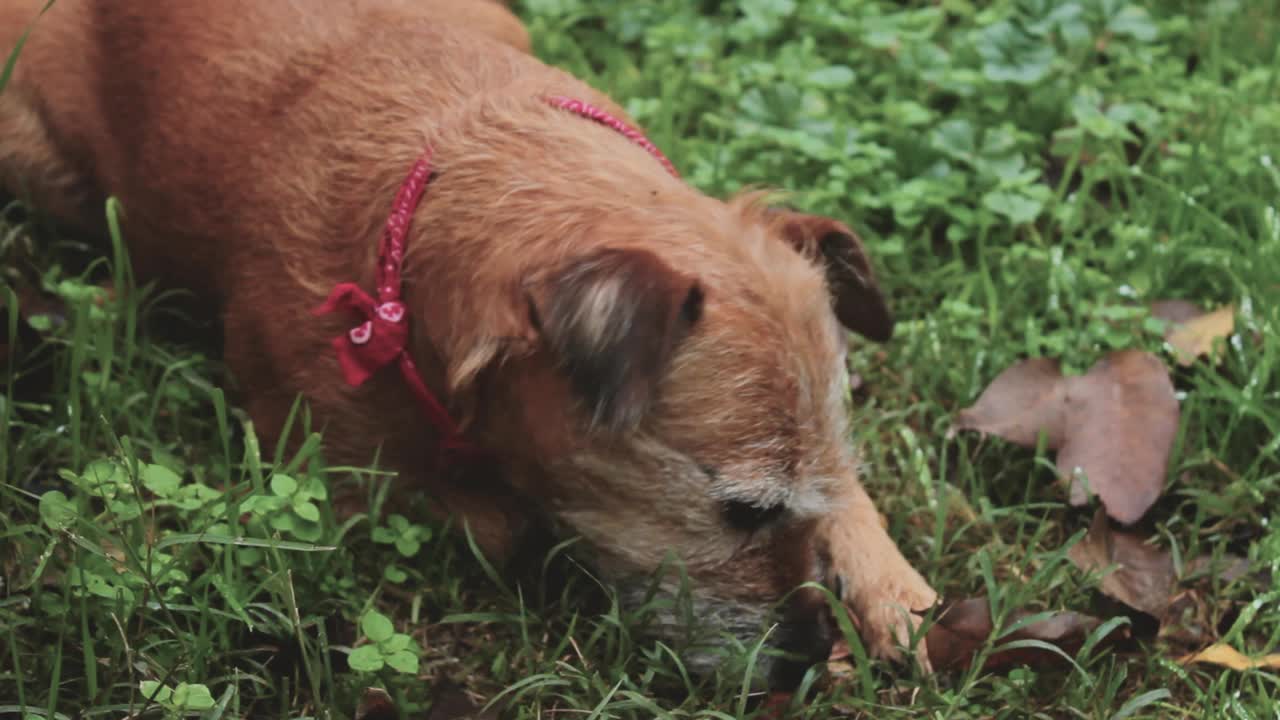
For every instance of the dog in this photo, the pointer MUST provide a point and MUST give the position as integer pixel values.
(656, 372)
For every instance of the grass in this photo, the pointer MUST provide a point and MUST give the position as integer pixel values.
(1026, 173)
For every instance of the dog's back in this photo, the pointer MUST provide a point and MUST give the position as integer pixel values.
(184, 101)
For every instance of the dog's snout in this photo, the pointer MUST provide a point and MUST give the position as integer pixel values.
(805, 636)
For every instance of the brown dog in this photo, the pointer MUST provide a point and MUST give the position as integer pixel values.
(654, 370)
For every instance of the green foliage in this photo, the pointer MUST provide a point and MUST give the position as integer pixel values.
(290, 507)
(177, 700)
(1009, 139)
(386, 648)
(406, 537)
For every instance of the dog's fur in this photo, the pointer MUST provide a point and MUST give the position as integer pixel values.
(645, 362)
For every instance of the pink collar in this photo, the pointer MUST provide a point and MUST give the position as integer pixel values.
(382, 338)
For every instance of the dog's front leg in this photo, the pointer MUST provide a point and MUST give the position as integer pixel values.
(884, 591)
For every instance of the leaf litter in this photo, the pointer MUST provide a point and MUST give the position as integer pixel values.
(1226, 656)
(1113, 430)
(962, 630)
(1145, 577)
(1113, 427)
(1191, 332)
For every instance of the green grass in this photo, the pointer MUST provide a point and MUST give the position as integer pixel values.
(1024, 173)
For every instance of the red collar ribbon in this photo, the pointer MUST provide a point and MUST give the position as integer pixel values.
(382, 338)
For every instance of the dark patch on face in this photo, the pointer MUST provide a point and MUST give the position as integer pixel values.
(612, 319)
(748, 517)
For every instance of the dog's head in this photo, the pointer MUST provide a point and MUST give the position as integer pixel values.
(666, 379)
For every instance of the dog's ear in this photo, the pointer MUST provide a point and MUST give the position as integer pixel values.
(859, 303)
(612, 318)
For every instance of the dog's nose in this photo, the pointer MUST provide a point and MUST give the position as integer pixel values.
(805, 635)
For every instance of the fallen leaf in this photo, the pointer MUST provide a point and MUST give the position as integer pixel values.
(1175, 312)
(1122, 417)
(962, 629)
(1114, 425)
(1226, 656)
(1026, 399)
(1142, 576)
(1188, 621)
(1235, 568)
(1137, 574)
(1194, 337)
(376, 704)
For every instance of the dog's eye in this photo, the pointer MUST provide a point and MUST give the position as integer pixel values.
(746, 517)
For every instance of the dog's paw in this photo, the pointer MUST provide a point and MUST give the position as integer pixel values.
(889, 610)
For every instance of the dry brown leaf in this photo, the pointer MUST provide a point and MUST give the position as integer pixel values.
(1114, 425)
(962, 629)
(1235, 567)
(1137, 574)
(376, 704)
(1226, 656)
(1122, 417)
(1195, 337)
(1026, 399)
(1188, 622)
(1142, 576)
(1175, 312)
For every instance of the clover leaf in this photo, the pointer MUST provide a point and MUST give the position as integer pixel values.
(1011, 55)
(177, 700)
(376, 626)
(192, 697)
(386, 648)
(290, 507)
(155, 692)
(283, 485)
(406, 536)
(403, 661)
(160, 480)
(366, 658)
(57, 512)
(1133, 21)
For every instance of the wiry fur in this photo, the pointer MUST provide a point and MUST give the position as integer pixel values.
(256, 147)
